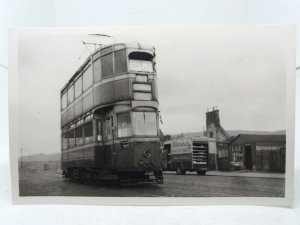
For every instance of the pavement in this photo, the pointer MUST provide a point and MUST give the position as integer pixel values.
(242, 173)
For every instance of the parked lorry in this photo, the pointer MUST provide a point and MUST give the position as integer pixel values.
(188, 154)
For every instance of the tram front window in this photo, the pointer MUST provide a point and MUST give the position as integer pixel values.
(140, 66)
(144, 123)
(140, 62)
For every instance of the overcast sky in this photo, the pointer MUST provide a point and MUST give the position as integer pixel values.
(242, 70)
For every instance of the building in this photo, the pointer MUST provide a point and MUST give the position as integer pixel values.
(215, 130)
(244, 151)
(258, 152)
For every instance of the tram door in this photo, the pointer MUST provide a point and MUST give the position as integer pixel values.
(109, 125)
(99, 137)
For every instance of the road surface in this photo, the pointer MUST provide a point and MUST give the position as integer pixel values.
(47, 183)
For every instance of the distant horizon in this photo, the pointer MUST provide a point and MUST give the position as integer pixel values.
(43, 153)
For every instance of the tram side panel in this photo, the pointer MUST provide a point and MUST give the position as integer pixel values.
(111, 92)
(79, 158)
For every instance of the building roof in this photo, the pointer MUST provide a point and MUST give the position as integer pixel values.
(250, 138)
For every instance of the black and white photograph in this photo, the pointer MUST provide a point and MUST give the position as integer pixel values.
(158, 113)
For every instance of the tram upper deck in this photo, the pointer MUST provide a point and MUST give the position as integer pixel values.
(111, 74)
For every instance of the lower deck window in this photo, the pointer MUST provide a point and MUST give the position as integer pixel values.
(71, 139)
(124, 125)
(88, 132)
(79, 135)
(64, 141)
(144, 123)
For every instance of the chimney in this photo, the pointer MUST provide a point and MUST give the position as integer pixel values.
(213, 117)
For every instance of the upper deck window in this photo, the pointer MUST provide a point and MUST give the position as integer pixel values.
(97, 70)
(64, 101)
(71, 94)
(140, 62)
(120, 61)
(107, 65)
(87, 78)
(78, 87)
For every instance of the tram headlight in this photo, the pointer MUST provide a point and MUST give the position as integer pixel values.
(147, 154)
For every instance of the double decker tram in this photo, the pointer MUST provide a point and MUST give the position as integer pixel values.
(109, 117)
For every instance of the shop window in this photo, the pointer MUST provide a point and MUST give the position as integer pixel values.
(237, 153)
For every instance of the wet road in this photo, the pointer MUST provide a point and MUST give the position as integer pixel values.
(41, 183)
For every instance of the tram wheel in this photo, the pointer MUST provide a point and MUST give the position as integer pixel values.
(201, 172)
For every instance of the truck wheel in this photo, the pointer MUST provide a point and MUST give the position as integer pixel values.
(180, 171)
(201, 172)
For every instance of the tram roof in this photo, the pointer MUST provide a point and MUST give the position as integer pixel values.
(133, 45)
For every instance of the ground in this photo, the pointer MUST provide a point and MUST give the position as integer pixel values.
(51, 183)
